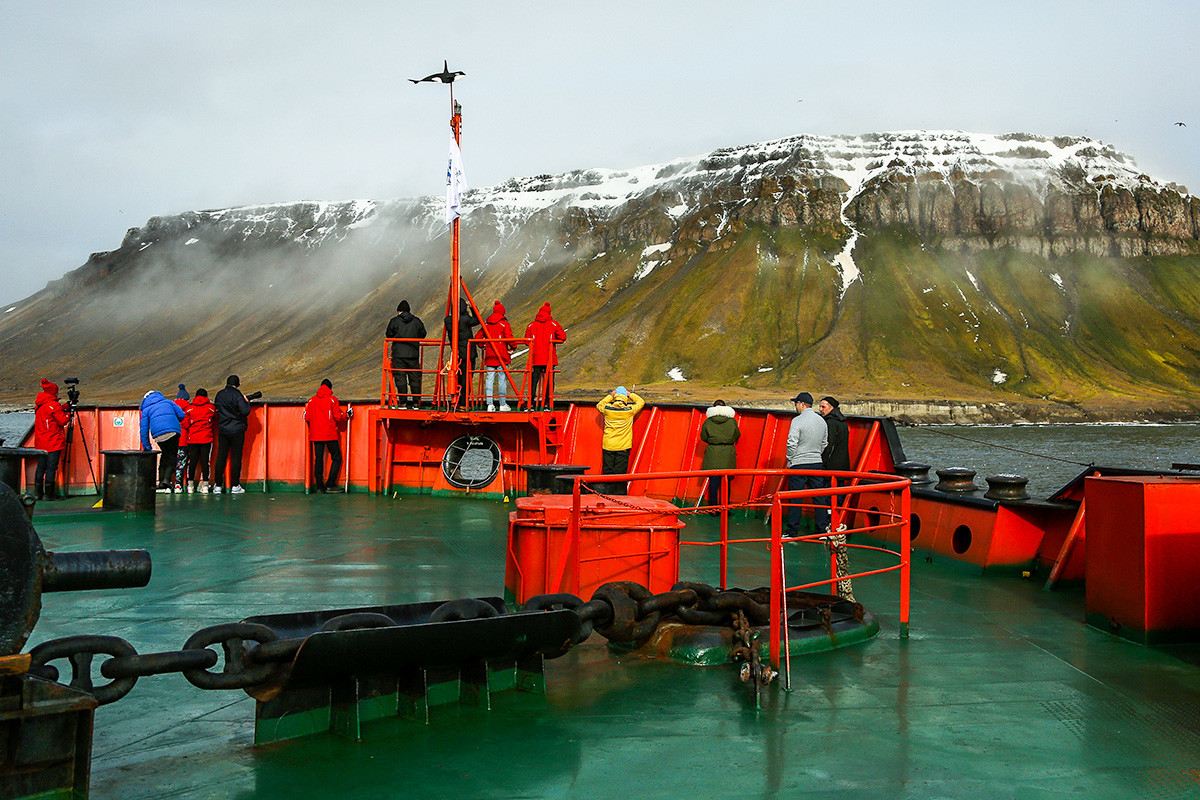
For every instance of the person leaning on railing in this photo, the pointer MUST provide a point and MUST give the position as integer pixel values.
(406, 356)
(544, 333)
(496, 355)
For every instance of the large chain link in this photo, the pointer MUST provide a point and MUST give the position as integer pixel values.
(623, 612)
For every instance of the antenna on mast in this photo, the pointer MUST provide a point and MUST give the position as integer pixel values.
(454, 186)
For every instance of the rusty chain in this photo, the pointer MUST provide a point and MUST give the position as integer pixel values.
(623, 612)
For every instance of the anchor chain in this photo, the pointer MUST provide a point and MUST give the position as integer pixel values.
(253, 655)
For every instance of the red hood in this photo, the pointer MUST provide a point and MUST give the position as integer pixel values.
(200, 400)
(45, 397)
(497, 313)
(543, 313)
(324, 391)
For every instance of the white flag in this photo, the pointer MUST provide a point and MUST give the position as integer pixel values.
(456, 183)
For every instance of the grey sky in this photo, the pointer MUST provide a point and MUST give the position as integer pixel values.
(116, 112)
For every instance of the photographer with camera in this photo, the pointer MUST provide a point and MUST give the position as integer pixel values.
(233, 408)
(49, 434)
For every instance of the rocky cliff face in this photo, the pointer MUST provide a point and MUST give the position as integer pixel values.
(909, 265)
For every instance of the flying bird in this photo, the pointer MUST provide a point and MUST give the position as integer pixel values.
(445, 76)
(1181, 124)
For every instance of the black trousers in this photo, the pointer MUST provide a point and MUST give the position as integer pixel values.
(320, 482)
(198, 458)
(406, 372)
(229, 447)
(43, 478)
(616, 462)
(167, 460)
(540, 399)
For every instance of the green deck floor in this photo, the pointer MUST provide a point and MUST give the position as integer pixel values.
(1001, 691)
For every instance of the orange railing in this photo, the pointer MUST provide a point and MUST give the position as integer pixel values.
(836, 498)
(433, 368)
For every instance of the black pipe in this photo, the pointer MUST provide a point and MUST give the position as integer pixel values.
(95, 569)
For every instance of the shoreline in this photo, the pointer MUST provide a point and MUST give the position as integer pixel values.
(905, 413)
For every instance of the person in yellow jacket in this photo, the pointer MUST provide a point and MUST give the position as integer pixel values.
(619, 408)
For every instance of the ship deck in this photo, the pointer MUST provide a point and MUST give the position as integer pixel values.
(1001, 691)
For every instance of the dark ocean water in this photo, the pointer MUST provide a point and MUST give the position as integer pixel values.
(13, 426)
(1049, 455)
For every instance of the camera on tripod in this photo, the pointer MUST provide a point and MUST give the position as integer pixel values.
(72, 390)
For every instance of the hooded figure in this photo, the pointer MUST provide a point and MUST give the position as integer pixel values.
(160, 420)
(49, 433)
(720, 432)
(406, 356)
(543, 334)
(324, 414)
(497, 355)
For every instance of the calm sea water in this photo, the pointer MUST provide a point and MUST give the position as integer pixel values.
(1049, 455)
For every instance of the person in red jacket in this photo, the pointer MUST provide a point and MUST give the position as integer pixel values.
(322, 413)
(49, 434)
(198, 426)
(496, 355)
(543, 334)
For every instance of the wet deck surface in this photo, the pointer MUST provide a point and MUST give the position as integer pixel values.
(1001, 691)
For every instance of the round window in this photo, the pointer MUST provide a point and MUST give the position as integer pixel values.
(471, 462)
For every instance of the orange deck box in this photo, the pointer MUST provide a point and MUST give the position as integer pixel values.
(635, 542)
(1142, 565)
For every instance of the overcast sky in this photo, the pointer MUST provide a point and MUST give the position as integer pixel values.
(116, 112)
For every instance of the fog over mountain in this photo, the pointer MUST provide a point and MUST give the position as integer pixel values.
(915, 265)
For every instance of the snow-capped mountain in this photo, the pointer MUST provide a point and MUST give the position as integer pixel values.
(909, 264)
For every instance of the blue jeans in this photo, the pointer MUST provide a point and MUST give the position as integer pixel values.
(489, 381)
(797, 482)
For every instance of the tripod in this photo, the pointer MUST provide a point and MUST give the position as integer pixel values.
(66, 467)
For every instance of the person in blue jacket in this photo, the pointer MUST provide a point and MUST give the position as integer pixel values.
(160, 422)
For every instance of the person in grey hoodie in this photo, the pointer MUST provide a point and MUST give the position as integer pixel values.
(807, 436)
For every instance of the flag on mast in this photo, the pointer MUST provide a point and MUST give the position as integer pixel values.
(456, 183)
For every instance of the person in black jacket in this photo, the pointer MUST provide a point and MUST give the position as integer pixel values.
(406, 356)
(232, 410)
(836, 454)
(466, 328)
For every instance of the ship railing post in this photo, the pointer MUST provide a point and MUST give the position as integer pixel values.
(723, 496)
(777, 587)
(905, 555)
(576, 534)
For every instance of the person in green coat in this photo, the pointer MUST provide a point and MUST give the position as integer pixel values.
(720, 432)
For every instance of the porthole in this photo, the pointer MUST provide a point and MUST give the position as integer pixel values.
(961, 540)
(471, 462)
(914, 526)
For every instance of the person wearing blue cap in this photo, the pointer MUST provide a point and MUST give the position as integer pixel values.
(807, 436)
(619, 407)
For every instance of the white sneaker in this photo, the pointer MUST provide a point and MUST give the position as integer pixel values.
(504, 407)
(163, 490)
(205, 488)
(216, 490)
(192, 487)
(491, 406)
(237, 490)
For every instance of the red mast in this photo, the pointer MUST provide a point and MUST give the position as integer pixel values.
(452, 388)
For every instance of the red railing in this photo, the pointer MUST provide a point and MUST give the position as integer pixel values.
(434, 385)
(835, 497)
